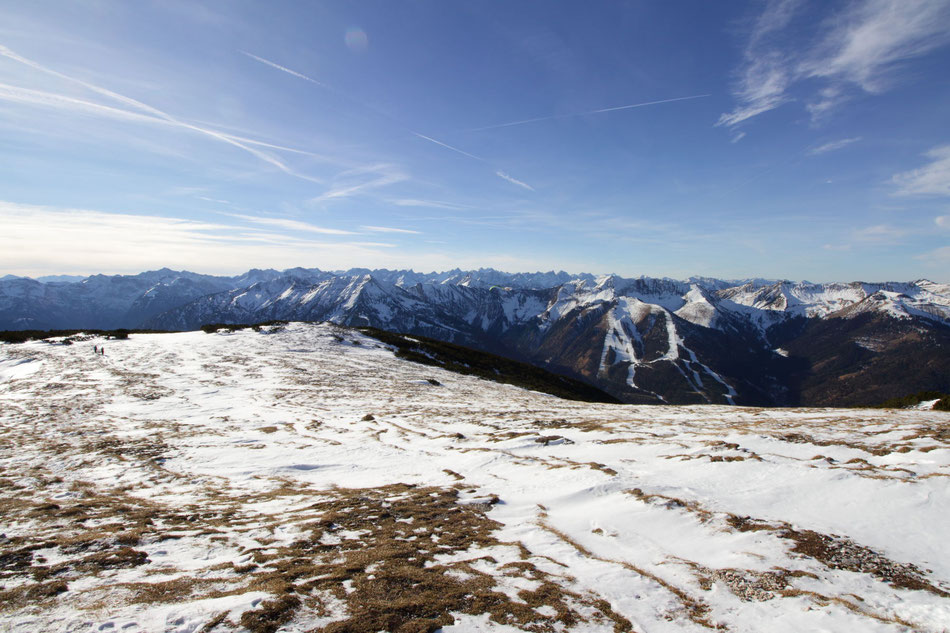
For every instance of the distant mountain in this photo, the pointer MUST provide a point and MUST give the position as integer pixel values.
(642, 340)
(100, 301)
(47, 279)
(55, 279)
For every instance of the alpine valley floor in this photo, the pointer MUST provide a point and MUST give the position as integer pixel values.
(304, 478)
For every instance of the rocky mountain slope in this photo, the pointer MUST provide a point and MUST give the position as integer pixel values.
(643, 340)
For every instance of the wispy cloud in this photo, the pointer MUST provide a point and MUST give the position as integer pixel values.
(833, 145)
(49, 239)
(386, 229)
(863, 45)
(432, 204)
(933, 179)
(17, 94)
(880, 234)
(362, 179)
(133, 103)
(763, 78)
(513, 181)
(292, 225)
(588, 112)
(943, 221)
(860, 46)
(837, 247)
(140, 112)
(39, 240)
(937, 257)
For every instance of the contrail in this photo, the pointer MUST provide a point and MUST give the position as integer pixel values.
(285, 69)
(513, 180)
(153, 114)
(388, 116)
(323, 85)
(447, 146)
(573, 114)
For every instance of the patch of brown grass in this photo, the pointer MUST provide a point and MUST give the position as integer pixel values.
(672, 503)
(388, 577)
(31, 594)
(838, 552)
(271, 614)
(842, 553)
(694, 608)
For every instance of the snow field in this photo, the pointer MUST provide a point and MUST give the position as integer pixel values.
(187, 481)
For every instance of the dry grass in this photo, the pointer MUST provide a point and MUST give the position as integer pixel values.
(395, 558)
(841, 553)
(673, 503)
(694, 608)
(389, 577)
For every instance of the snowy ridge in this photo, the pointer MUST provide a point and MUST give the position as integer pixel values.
(133, 301)
(823, 300)
(580, 325)
(199, 482)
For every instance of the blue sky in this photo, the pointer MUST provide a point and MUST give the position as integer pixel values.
(781, 139)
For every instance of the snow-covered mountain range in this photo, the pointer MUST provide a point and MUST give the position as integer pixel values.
(642, 340)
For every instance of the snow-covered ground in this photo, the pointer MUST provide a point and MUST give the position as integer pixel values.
(304, 478)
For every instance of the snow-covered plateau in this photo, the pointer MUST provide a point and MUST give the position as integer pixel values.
(305, 478)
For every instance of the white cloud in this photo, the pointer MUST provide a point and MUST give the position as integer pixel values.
(937, 257)
(833, 145)
(880, 234)
(291, 225)
(513, 180)
(139, 113)
(38, 240)
(932, 179)
(761, 88)
(943, 221)
(386, 229)
(864, 45)
(362, 179)
(432, 204)
(860, 46)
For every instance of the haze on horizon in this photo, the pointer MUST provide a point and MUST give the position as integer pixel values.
(776, 138)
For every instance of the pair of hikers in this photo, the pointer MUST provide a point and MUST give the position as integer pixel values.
(99, 350)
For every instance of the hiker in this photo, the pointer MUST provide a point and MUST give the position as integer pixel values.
(95, 349)
(102, 350)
